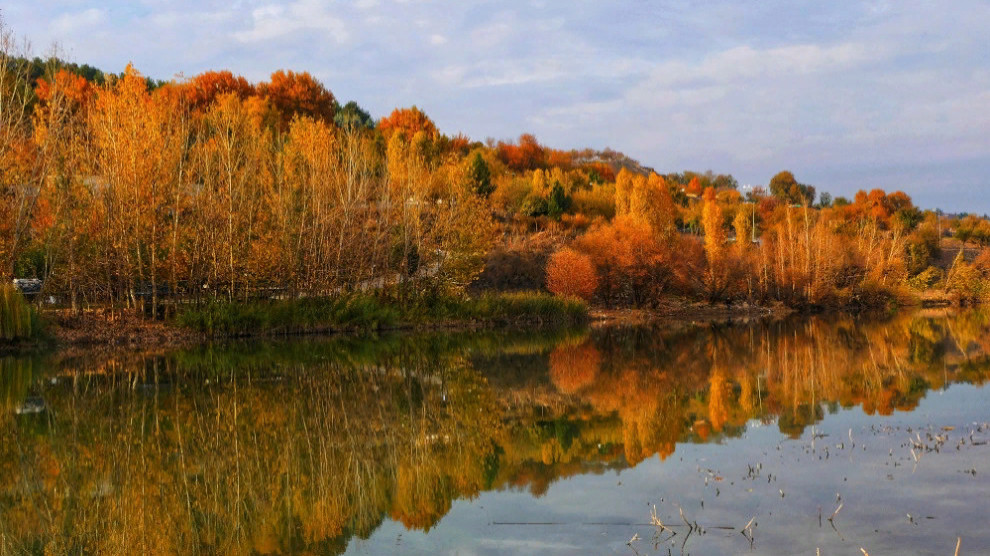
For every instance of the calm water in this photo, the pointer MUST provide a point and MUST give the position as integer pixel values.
(739, 439)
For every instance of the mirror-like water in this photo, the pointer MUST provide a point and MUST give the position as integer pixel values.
(724, 439)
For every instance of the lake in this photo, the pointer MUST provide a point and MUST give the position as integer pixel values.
(835, 434)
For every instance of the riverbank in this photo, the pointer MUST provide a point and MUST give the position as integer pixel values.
(686, 312)
(360, 314)
(354, 314)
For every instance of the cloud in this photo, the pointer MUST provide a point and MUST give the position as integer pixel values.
(275, 21)
(844, 93)
(85, 20)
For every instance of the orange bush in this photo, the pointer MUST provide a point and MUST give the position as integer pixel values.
(571, 273)
(633, 266)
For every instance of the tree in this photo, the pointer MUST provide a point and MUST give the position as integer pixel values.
(743, 226)
(559, 201)
(480, 176)
(298, 94)
(352, 116)
(712, 223)
(694, 187)
(527, 155)
(652, 204)
(21, 163)
(409, 121)
(624, 185)
(786, 188)
(203, 89)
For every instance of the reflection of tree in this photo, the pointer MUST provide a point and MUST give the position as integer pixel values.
(573, 367)
(300, 446)
(169, 456)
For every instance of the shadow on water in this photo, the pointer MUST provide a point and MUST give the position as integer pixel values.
(305, 445)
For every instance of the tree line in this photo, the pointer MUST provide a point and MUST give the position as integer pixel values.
(125, 190)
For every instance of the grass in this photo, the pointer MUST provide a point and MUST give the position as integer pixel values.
(372, 312)
(19, 321)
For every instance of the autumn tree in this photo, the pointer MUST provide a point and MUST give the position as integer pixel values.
(140, 150)
(21, 163)
(712, 221)
(298, 94)
(652, 204)
(64, 222)
(694, 187)
(528, 154)
(409, 121)
(203, 89)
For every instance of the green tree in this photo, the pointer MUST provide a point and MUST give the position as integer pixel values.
(481, 176)
(559, 201)
(353, 117)
(785, 187)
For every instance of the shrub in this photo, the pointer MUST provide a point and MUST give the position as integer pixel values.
(570, 273)
(926, 278)
(633, 267)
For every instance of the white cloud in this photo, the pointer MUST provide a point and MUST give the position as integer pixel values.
(276, 21)
(822, 88)
(69, 22)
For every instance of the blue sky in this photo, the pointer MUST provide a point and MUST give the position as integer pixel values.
(847, 95)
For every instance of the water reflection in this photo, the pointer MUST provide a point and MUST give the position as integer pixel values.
(304, 445)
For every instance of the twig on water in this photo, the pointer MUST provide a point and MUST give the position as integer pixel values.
(836, 512)
(686, 522)
(655, 520)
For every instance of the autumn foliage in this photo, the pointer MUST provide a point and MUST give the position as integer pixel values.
(409, 121)
(570, 273)
(129, 191)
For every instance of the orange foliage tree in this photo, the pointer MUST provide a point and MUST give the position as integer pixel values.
(293, 93)
(203, 89)
(527, 155)
(409, 121)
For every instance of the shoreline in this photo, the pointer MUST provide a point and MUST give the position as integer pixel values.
(104, 329)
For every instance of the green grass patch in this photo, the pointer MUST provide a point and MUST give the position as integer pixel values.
(359, 312)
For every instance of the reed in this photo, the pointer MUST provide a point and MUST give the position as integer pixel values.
(18, 319)
(362, 311)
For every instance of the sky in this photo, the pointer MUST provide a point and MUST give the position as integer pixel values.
(846, 94)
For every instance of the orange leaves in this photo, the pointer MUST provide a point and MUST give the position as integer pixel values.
(693, 187)
(634, 266)
(408, 121)
(74, 88)
(203, 89)
(295, 94)
(570, 273)
(712, 222)
(559, 159)
(527, 155)
(652, 204)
